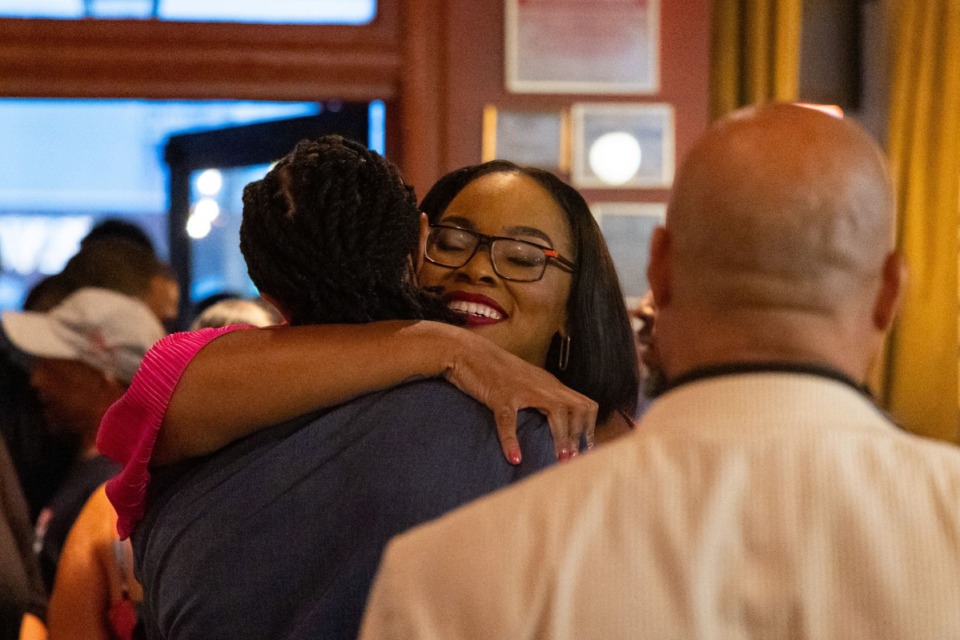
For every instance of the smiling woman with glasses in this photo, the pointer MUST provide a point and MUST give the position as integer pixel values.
(571, 318)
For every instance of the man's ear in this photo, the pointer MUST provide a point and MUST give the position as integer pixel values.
(422, 244)
(658, 270)
(893, 280)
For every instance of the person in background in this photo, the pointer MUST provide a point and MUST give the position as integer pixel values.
(95, 593)
(644, 316)
(43, 453)
(230, 311)
(84, 353)
(21, 588)
(118, 228)
(162, 294)
(765, 494)
(163, 297)
(203, 304)
(125, 266)
(46, 293)
(39, 457)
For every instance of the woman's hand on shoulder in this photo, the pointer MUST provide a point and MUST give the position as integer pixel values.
(506, 384)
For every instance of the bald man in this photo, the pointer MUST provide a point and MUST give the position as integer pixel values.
(764, 495)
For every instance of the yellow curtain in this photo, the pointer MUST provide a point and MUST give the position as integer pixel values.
(755, 53)
(921, 379)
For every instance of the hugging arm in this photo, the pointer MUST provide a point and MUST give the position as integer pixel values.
(244, 380)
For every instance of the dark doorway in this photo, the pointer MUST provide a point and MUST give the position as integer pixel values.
(208, 170)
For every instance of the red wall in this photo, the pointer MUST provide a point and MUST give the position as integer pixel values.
(474, 77)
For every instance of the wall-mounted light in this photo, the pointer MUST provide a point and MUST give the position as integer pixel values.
(210, 182)
(201, 218)
(206, 208)
(198, 228)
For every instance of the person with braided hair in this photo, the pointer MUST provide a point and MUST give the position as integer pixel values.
(334, 261)
(279, 534)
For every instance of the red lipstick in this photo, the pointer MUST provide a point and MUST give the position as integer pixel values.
(480, 310)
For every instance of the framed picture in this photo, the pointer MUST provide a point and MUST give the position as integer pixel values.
(582, 46)
(627, 227)
(622, 145)
(534, 138)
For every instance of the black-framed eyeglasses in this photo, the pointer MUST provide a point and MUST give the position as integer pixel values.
(512, 259)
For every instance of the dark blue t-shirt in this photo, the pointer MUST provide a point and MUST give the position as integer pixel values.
(57, 518)
(280, 534)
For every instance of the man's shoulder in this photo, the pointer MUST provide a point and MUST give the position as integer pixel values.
(938, 461)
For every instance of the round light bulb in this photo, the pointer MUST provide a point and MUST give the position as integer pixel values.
(615, 157)
(206, 208)
(198, 228)
(210, 182)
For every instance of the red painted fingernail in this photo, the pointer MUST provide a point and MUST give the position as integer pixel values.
(564, 455)
(514, 456)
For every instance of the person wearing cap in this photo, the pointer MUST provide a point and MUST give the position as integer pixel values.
(96, 594)
(41, 457)
(84, 353)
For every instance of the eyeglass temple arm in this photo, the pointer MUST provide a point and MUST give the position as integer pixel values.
(550, 253)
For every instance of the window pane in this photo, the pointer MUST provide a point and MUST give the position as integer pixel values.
(66, 164)
(214, 225)
(280, 11)
(351, 12)
(41, 8)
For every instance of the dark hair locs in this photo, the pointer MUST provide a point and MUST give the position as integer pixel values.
(329, 233)
(603, 359)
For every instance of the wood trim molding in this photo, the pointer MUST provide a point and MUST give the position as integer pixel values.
(150, 59)
(422, 101)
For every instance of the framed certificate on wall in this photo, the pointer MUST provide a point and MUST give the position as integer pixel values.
(619, 145)
(627, 227)
(582, 46)
(533, 138)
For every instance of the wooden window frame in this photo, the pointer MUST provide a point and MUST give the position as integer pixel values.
(184, 60)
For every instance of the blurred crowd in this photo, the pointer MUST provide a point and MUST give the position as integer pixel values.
(63, 362)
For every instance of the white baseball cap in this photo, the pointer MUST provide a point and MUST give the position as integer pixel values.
(107, 330)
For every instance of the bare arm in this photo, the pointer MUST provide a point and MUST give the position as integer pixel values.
(247, 379)
(81, 592)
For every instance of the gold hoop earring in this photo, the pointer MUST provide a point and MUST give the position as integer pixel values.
(564, 352)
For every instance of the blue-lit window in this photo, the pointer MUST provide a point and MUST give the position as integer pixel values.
(348, 12)
(65, 164)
